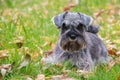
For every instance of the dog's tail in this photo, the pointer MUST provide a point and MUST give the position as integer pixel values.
(93, 29)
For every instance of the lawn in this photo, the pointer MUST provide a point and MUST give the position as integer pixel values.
(27, 33)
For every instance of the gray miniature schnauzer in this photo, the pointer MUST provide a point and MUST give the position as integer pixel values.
(78, 42)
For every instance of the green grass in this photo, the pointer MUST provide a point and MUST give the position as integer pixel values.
(31, 19)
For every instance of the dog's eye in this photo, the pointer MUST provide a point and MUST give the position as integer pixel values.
(80, 27)
(64, 27)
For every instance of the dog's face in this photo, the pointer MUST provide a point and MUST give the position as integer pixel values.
(72, 27)
(72, 36)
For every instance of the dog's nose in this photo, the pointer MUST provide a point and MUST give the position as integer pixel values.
(73, 36)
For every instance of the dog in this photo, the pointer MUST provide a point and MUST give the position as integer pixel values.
(78, 42)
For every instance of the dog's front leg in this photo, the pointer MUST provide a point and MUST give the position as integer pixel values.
(55, 58)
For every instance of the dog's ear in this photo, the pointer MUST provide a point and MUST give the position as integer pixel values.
(57, 20)
(86, 20)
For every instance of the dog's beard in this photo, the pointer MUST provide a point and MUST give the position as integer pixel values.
(72, 46)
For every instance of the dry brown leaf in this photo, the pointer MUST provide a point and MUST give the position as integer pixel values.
(118, 78)
(110, 65)
(3, 54)
(99, 13)
(71, 5)
(61, 77)
(40, 77)
(26, 60)
(6, 68)
(112, 52)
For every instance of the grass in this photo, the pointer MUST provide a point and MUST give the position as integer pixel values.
(31, 20)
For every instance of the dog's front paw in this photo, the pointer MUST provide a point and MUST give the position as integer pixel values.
(45, 61)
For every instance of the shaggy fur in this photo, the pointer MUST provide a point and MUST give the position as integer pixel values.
(77, 42)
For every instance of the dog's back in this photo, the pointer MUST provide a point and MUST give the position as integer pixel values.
(96, 47)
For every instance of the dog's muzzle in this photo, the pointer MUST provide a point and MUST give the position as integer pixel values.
(72, 36)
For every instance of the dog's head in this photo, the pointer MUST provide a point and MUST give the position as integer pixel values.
(73, 27)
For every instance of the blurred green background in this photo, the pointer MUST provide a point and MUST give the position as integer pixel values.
(27, 24)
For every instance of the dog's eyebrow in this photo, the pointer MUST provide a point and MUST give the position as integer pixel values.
(76, 23)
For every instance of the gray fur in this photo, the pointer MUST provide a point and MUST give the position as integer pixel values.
(82, 48)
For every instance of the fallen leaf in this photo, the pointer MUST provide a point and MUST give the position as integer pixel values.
(3, 72)
(112, 52)
(110, 65)
(61, 77)
(71, 5)
(26, 60)
(6, 68)
(99, 13)
(3, 54)
(118, 78)
(40, 77)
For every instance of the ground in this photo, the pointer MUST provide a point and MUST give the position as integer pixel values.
(26, 33)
